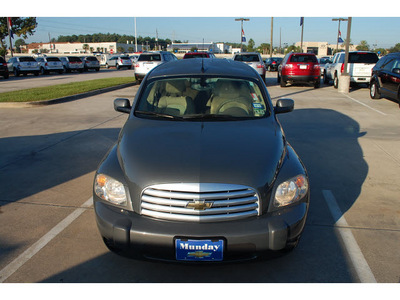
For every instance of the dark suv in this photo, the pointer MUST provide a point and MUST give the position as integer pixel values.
(3, 68)
(385, 77)
(299, 67)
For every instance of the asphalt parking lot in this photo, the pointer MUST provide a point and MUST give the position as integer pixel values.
(349, 143)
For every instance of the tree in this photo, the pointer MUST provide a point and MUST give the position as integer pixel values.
(20, 27)
(250, 45)
(293, 48)
(363, 46)
(85, 47)
(396, 48)
(264, 48)
(18, 43)
(381, 51)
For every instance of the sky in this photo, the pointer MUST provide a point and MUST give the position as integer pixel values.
(214, 21)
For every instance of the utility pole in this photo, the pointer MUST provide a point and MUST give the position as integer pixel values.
(241, 32)
(344, 79)
(338, 31)
(302, 30)
(136, 37)
(157, 39)
(272, 36)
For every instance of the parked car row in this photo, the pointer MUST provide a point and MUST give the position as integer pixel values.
(47, 64)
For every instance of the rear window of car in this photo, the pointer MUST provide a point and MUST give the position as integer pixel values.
(26, 59)
(247, 58)
(304, 58)
(149, 57)
(365, 58)
(91, 58)
(74, 59)
(53, 59)
(124, 57)
(199, 55)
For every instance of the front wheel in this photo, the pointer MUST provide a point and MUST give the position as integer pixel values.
(16, 72)
(374, 90)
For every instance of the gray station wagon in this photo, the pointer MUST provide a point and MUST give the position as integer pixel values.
(201, 171)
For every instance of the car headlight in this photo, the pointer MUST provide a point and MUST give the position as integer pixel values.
(291, 191)
(109, 189)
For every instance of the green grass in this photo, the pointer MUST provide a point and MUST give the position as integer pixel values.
(62, 90)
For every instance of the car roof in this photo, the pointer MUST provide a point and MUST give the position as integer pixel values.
(211, 67)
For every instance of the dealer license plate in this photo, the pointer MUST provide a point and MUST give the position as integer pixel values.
(199, 250)
(303, 67)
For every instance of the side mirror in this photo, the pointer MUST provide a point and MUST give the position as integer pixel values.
(396, 70)
(284, 106)
(122, 105)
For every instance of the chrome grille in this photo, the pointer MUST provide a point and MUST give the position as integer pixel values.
(194, 202)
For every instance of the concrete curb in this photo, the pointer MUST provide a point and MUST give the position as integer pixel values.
(64, 99)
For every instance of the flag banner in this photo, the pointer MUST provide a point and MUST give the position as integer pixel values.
(243, 37)
(9, 24)
(340, 37)
(301, 21)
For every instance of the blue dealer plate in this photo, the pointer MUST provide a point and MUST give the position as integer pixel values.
(199, 250)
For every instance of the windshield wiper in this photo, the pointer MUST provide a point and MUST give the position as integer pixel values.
(156, 114)
(212, 117)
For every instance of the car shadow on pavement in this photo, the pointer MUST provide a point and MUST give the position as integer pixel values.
(32, 164)
(327, 142)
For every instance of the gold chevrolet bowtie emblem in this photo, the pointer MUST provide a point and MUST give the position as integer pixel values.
(199, 204)
(199, 254)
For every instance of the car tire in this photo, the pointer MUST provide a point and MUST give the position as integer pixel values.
(16, 72)
(42, 71)
(5, 76)
(326, 80)
(374, 90)
(283, 83)
(317, 84)
(278, 78)
(335, 82)
(36, 73)
(97, 69)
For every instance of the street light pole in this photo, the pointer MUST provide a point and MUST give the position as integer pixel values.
(241, 30)
(337, 40)
(344, 79)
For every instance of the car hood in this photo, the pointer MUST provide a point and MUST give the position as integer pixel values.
(238, 152)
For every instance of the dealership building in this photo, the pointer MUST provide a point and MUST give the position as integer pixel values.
(81, 48)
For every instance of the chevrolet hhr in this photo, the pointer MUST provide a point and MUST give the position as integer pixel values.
(201, 170)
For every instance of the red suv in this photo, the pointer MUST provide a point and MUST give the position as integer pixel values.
(198, 55)
(299, 67)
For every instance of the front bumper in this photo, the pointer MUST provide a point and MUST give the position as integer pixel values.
(244, 239)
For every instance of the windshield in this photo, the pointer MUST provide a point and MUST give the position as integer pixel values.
(202, 98)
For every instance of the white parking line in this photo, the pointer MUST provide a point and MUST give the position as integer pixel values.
(357, 259)
(36, 247)
(359, 102)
